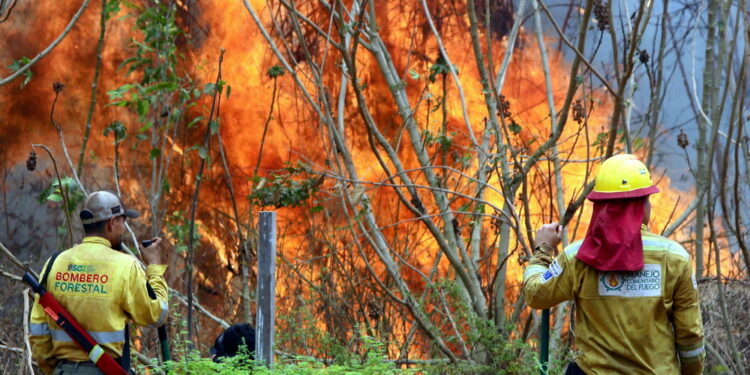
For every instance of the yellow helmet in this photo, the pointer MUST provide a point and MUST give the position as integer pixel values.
(622, 176)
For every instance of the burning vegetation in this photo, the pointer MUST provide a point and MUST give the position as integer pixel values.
(409, 148)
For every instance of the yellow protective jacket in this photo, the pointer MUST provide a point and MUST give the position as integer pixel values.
(642, 322)
(102, 289)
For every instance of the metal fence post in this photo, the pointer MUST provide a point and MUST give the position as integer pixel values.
(544, 350)
(266, 309)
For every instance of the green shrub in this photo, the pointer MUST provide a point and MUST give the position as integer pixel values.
(372, 364)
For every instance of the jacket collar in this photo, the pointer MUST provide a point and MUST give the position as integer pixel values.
(97, 240)
(645, 230)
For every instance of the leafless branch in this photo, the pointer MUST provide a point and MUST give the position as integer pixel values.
(194, 204)
(49, 48)
(26, 329)
(12, 349)
(198, 307)
(94, 87)
(452, 69)
(15, 260)
(578, 53)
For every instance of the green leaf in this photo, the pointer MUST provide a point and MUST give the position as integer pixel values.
(194, 121)
(440, 67)
(26, 78)
(638, 143)
(118, 129)
(143, 107)
(466, 160)
(202, 152)
(126, 62)
(166, 187)
(146, 126)
(54, 197)
(175, 114)
(166, 86)
(229, 90)
(209, 89)
(142, 136)
(213, 126)
(275, 71)
(155, 153)
(514, 127)
(316, 209)
(27, 74)
(414, 75)
(184, 95)
(112, 7)
(143, 46)
(600, 138)
(119, 92)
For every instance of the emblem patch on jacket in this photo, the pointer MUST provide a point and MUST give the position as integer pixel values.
(644, 283)
(554, 270)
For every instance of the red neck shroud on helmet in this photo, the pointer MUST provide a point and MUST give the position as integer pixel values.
(613, 241)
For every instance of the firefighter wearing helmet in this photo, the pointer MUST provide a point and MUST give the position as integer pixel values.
(635, 292)
(102, 289)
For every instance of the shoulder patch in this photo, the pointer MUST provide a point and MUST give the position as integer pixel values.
(554, 270)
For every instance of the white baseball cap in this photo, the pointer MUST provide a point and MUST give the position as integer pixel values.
(103, 205)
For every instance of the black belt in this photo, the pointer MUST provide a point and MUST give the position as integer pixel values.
(86, 363)
(74, 363)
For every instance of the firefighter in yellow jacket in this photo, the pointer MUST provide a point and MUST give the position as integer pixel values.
(635, 292)
(101, 287)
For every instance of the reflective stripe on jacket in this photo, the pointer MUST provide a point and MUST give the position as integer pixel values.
(102, 289)
(643, 322)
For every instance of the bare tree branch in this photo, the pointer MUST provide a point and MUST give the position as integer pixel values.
(26, 329)
(49, 48)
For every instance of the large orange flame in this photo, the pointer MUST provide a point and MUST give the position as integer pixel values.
(309, 238)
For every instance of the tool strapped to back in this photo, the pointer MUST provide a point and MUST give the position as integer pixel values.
(57, 312)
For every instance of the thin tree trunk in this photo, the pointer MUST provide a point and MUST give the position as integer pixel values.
(465, 271)
(94, 86)
(242, 244)
(702, 177)
(559, 187)
(656, 87)
(194, 206)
